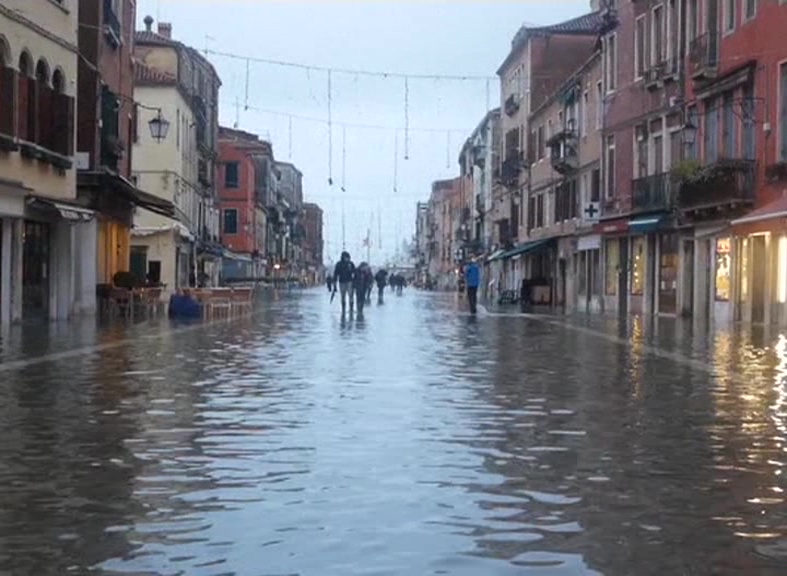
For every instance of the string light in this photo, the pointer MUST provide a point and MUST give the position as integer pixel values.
(348, 71)
(330, 133)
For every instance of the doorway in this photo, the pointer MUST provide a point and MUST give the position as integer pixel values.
(758, 279)
(35, 270)
(623, 274)
(688, 282)
(138, 263)
(668, 274)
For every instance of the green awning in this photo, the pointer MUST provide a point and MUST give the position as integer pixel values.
(646, 224)
(526, 248)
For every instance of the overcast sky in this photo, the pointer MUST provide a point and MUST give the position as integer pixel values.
(407, 37)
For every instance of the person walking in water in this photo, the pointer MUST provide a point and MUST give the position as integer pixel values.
(343, 275)
(362, 283)
(472, 282)
(381, 278)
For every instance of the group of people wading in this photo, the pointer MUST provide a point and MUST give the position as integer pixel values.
(355, 283)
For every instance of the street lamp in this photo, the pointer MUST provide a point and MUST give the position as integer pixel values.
(689, 132)
(159, 126)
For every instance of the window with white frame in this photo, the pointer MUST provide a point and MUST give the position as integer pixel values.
(640, 43)
(751, 9)
(673, 34)
(585, 113)
(609, 166)
(641, 151)
(611, 62)
(782, 112)
(657, 32)
(729, 15)
(692, 21)
(599, 105)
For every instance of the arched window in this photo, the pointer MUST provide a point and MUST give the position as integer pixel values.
(43, 106)
(26, 98)
(58, 81)
(7, 91)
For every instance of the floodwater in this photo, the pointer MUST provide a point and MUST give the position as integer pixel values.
(417, 441)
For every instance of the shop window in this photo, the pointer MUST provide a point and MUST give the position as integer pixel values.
(612, 264)
(723, 271)
(638, 261)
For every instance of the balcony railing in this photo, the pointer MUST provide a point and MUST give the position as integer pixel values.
(651, 193)
(511, 168)
(661, 72)
(727, 181)
(704, 56)
(512, 105)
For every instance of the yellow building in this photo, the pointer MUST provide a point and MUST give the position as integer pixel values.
(47, 241)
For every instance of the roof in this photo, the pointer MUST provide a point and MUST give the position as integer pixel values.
(775, 209)
(586, 25)
(488, 117)
(142, 37)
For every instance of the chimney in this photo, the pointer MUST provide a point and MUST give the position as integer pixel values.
(165, 30)
(148, 22)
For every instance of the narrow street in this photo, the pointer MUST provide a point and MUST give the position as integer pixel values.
(418, 441)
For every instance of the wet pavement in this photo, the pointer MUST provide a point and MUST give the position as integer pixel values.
(417, 441)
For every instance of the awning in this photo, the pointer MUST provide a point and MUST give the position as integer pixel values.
(775, 209)
(116, 182)
(619, 226)
(142, 232)
(647, 224)
(526, 248)
(495, 255)
(592, 242)
(235, 256)
(709, 232)
(68, 212)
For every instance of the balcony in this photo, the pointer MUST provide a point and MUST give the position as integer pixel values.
(651, 193)
(658, 74)
(704, 56)
(564, 153)
(512, 105)
(722, 183)
(112, 29)
(112, 149)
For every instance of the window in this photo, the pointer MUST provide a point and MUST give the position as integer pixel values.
(599, 105)
(723, 272)
(657, 35)
(693, 119)
(566, 201)
(693, 24)
(751, 9)
(729, 15)
(595, 185)
(550, 130)
(584, 114)
(782, 113)
(747, 106)
(531, 213)
(711, 132)
(540, 211)
(612, 254)
(730, 134)
(638, 260)
(231, 176)
(609, 176)
(640, 41)
(642, 150)
(675, 144)
(658, 154)
(230, 221)
(611, 62)
(540, 143)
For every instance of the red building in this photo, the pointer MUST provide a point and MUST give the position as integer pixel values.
(241, 199)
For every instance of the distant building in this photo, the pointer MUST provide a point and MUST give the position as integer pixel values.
(313, 243)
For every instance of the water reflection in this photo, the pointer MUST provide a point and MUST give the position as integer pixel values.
(418, 440)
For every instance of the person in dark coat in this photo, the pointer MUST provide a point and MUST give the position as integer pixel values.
(343, 275)
(381, 278)
(362, 283)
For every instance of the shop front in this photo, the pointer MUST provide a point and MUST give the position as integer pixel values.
(588, 275)
(615, 256)
(12, 212)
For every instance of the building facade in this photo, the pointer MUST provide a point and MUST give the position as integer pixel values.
(313, 243)
(47, 240)
(243, 211)
(175, 81)
(178, 81)
(289, 231)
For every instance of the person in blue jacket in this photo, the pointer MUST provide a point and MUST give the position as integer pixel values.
(472, 282)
